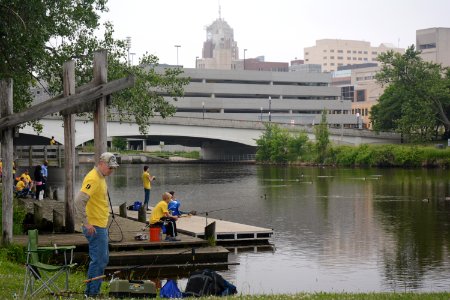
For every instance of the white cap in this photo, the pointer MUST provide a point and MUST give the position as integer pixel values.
(109, 159)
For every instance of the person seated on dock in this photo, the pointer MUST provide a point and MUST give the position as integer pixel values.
(22, 190)
(160, 216)
(27, 178)
(174, 207)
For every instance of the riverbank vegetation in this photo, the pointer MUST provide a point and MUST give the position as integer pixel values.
(416, 101)
(278, 145)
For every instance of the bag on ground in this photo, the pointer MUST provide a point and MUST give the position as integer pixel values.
(170, 290)
(208, 283)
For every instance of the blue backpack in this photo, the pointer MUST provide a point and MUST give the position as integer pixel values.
(170, 290)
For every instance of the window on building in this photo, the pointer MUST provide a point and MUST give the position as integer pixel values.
(354, 58)
(332, 50)
(340, 57)
(374, 52)
(366, 59)
(306, 53)
(331, 64)
(359, 52)
(367, 111)
(324, 64)
(354, 51)
(339, 64)
(306, 59)
(340, 51)
(349, 51)
(349, 58)
(331, 57)
(427, 46)
(361, 95)
(359, 58)
(324, 50)
(365, 52)
(324, 57)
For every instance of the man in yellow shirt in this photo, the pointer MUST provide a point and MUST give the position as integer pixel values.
(91, 205)
(160, 216)
(52, 141)
(146, 180)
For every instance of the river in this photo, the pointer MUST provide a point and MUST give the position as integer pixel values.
(335, 230)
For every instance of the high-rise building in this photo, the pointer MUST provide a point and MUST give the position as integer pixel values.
(333, 53)
(220, 52)
(434, 43)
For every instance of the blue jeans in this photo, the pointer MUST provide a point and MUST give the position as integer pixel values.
(146, 198)
(99, 256)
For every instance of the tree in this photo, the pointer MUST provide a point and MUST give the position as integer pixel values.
(273, 144)
(322, 138)
(416, 101)
(38, 36)
(119, 143)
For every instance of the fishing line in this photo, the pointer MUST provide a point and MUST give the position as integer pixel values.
(113, 220)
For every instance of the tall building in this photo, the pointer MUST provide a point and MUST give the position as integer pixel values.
(333, 53)
(434, 43)
(220, 52)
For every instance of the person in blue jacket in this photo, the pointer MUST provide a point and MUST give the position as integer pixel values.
(174, 206)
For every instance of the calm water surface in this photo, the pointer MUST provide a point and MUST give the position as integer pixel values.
(335, 230)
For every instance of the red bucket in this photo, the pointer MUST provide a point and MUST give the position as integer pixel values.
(155, 234)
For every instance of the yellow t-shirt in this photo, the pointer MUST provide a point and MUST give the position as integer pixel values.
(26, 177)
(146, 180)
(52, 142)
(158, 211)
(20, 186)
(97, 210)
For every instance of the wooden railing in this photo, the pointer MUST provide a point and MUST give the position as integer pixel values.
(36, 155)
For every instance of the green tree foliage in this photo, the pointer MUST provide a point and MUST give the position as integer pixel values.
(322, 138)
(119, 143)
(279, 146)
(38, 36)
(416, 101)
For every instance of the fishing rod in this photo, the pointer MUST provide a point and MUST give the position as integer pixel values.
(113, 220)
(214, 210)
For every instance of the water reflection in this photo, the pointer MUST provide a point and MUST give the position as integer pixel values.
(334, 229)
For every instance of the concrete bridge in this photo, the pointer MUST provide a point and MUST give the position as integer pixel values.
(217, 138)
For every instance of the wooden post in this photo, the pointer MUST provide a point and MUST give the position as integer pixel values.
(69, 147)
(210, 231)
(58, 221)
(6, 109)
(142, 214)
(123, 210)
(38, 214)
(100, 131)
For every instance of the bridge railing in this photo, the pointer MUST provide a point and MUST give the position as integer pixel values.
(237, 157)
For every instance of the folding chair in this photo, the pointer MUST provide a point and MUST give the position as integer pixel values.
(44, 275)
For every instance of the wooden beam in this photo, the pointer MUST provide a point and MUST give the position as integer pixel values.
(6, 109)
(100, 122)
(57, 104)
(69, 147)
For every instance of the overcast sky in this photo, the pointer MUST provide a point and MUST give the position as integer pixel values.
(278, 29)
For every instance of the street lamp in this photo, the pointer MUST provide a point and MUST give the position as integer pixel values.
(342, 120)
(177, 46)
(132, 56)
(203, 106)
(270, 108)
(245, 50)
(261, 113)
(196, 60)
(128, 44)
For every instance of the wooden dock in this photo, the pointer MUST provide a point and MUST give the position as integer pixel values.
(156, 259)
(225, 231)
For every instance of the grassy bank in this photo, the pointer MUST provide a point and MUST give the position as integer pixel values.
(12, 277)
